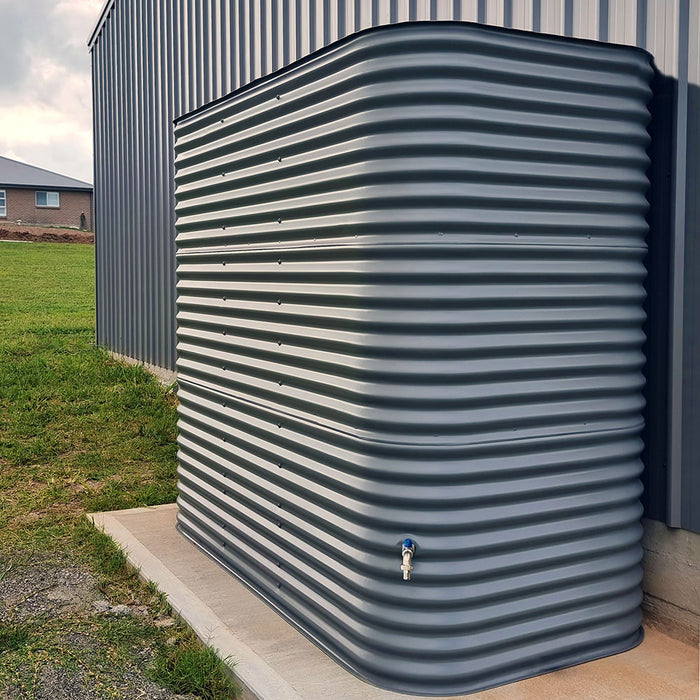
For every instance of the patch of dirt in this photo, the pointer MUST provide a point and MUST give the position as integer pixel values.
(36, 588)
(148, 690)
(43, 588)
(54, 683)
(44, 234)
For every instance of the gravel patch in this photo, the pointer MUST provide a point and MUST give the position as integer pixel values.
(44, 588)
(38, 588)
(54, 683)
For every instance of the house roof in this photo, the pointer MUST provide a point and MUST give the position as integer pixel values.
(16, 174)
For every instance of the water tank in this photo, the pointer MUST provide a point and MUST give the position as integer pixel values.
(410, 317)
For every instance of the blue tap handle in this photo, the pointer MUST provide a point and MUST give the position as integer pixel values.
(408, 544)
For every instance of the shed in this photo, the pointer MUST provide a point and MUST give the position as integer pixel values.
(154, 62)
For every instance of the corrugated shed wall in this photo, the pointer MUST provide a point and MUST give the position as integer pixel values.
(689, 460)
(410, 286)
(154, 61)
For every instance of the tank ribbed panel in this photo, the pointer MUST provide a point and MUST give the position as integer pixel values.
(410, 305)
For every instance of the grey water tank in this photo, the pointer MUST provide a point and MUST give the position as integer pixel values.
(410, 296)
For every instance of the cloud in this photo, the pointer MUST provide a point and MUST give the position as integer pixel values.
(45, 88)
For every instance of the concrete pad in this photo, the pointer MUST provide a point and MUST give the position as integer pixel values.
(273, 661)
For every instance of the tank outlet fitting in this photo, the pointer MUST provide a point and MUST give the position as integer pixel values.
(407, 552)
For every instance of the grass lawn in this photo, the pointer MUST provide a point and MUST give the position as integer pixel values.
(80, 432)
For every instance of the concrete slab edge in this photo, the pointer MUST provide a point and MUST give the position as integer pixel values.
(671, 621)
(257, 679)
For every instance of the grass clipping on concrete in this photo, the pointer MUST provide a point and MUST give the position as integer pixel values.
(80, 432)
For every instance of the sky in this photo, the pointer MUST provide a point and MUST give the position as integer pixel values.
(45, 91)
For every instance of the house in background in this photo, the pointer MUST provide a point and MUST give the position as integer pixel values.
(32, 195)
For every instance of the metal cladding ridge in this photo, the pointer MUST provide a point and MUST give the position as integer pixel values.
(410, 306)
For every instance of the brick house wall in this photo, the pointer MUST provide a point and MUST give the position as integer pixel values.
(21, 206)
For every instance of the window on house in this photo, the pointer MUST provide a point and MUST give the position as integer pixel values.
(3, 203)
(48, 199)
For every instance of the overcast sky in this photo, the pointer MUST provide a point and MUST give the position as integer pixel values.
(45, 93)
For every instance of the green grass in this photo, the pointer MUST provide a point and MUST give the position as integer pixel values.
(12, 637)
(194, 669)
(80, 432)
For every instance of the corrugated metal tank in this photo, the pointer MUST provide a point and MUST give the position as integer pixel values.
(410, 295)
(155, 61)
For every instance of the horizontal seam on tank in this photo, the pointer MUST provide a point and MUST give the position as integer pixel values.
(299, 419)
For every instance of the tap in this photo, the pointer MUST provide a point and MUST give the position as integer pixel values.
(407, 552)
